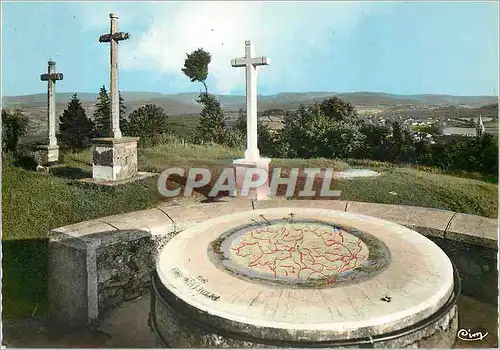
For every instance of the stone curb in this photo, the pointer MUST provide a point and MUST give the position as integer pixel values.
(75, 278)
(164, 219)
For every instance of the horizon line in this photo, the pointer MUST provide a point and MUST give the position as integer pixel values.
(274, 94)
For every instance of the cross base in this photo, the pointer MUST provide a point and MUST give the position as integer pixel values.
(242, 166)
(47, 154)
(114, 159)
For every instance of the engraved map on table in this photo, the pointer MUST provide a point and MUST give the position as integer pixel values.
(301, 253)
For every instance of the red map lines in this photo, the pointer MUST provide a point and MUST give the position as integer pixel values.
(300, 251)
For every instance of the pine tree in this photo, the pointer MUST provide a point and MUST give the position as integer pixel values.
(102, 114)
(124, 123)
(211, 126)
(75, 129)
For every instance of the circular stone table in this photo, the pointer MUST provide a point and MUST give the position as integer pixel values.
(300, 277)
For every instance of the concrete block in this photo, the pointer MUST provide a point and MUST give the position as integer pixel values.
(72, 284)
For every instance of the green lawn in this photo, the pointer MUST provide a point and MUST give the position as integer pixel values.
(34, 203)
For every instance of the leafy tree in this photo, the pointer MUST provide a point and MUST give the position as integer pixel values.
(376, 141)
(196, 66)
(266, 141)
(241, 124)
(75, 128)
(102, 114)
(487, 154)
(150, 123)
(309, 132)
(14, 126)
(339, 110)
(402, 145)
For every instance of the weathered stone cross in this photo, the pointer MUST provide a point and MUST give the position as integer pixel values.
(113, 37)
(51, 77)
(251, 63)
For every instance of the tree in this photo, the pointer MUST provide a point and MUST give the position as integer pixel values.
(310, 132)
(14, 126)
(102, 114)
(211, 127)
(123, 111)
(150, 123)
(339, 110)
(75, 129)
(196, 66)
(402, 145)
(241, 124)
(376, 140)
(266, 141)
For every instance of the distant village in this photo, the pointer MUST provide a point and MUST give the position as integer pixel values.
(422, 127)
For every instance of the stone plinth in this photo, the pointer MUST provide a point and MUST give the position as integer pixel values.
(47, 154)
(302, 277)
(114, 159)
(242, 168)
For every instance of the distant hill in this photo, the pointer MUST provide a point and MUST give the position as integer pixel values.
(35, 106)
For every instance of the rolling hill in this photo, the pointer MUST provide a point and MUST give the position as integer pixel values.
(35, 106)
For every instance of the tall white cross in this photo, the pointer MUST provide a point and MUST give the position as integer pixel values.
(113, 37)
(51, 77)
(251, 63)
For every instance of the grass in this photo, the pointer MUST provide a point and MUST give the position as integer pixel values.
(34, 203)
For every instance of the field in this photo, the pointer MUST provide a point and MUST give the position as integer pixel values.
(34, 203)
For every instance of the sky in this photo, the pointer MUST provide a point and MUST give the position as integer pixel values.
(392, 47)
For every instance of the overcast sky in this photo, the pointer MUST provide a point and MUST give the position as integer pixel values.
(393, 47)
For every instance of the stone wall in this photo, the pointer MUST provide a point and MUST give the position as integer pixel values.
(477, 266)
(124, 270)
(96, 265)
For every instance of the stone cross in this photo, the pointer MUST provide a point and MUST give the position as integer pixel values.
(51, 77)
(251, 63)
(113, 37)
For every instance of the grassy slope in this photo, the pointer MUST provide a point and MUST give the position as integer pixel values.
(34, 203)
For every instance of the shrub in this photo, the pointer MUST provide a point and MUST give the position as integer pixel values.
(14, 126)
(148, 122)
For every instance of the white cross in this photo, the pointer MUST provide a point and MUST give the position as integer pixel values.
(251, 63)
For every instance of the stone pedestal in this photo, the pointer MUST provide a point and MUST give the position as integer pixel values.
(114, 159)
(47, 154)
(241, 167)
